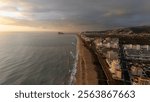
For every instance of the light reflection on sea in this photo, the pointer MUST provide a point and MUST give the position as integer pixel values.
(36, 58)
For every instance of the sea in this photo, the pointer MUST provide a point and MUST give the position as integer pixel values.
(37, 58)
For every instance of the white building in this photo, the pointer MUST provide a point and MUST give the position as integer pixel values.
(138, 47)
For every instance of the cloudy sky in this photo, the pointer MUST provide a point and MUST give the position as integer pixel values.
(72, 15)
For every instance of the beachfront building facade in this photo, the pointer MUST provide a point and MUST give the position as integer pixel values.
(115, 69)
(109, 48)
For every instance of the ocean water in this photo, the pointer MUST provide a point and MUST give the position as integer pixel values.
(33, 58)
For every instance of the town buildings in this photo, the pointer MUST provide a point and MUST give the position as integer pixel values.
(135, 56)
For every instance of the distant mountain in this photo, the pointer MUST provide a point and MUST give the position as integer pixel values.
(130, 30)
(139, 30)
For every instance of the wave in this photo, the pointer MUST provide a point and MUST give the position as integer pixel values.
(74, 70)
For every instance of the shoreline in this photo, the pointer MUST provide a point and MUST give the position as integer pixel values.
(86, 70)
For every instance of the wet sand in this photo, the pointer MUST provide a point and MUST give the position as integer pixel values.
(86, 70)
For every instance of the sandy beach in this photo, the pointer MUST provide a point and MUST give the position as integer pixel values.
(86, 70)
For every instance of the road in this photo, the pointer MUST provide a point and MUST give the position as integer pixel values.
(123, 63)
(105, 67)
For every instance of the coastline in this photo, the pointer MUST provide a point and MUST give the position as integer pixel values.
(86, 70)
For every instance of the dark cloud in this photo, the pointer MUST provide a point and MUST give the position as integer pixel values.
(81, 14)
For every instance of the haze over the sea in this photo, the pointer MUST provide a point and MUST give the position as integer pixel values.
(72, 15)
